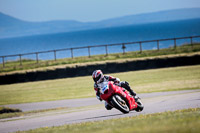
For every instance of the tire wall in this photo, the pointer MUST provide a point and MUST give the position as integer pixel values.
(112, 67)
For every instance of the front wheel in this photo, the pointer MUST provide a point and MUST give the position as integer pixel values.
(120, 104)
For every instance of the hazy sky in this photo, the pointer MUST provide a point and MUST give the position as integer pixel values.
(87, 10)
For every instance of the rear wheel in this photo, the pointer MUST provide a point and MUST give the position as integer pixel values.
(140, 106)
(120, 103)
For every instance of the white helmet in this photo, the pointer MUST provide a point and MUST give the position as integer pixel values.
(97, 76)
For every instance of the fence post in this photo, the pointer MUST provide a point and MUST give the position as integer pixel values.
(72, 55)
(140, 47)
(20, 58)
(3, 61)
(54, 55)
(89, 51)
(158, 47)
(37, 57)
(174, 43)
(123, 47)
(191, 41)
(106, 47)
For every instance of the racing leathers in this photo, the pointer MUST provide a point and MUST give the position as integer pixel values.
(107, 78)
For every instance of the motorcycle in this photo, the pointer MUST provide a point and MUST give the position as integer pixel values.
(119, 98)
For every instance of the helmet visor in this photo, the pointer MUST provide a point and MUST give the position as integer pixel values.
(97, 78)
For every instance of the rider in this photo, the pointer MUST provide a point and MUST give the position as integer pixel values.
(98, 78)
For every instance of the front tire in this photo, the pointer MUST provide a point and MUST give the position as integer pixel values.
(120, 104)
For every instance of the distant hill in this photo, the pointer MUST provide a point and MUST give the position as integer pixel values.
(12, 27)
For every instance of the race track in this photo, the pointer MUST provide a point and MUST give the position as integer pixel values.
(93, 110)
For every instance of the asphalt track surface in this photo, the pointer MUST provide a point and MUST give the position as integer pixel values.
(90, 109)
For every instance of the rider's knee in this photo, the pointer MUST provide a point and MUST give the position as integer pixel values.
(107, 106)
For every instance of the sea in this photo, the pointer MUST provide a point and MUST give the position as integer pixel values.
(105, 36)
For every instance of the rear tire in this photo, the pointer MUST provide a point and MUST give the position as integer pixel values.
(120, 104)
(140, 106)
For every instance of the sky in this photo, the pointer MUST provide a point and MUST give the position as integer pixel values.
(87, 10)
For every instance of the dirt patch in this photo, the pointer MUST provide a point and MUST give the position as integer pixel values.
(8, 110)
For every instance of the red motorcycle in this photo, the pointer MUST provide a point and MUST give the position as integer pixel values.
(119, 98)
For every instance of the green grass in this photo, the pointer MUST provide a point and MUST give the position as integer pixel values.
(31, 64)
(167, 79)
(181, 121)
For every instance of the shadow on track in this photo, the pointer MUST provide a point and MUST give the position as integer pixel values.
(100, 117)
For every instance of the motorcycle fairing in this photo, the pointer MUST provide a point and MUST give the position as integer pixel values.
(108, 89)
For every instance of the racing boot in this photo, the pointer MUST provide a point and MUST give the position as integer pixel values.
(128, 88)
(134, 94)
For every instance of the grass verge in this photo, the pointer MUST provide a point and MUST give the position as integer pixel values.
(28, 64)
(155, 80)
(36, 113)
(183, 121)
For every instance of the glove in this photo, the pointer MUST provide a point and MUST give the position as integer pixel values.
(117, 80)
